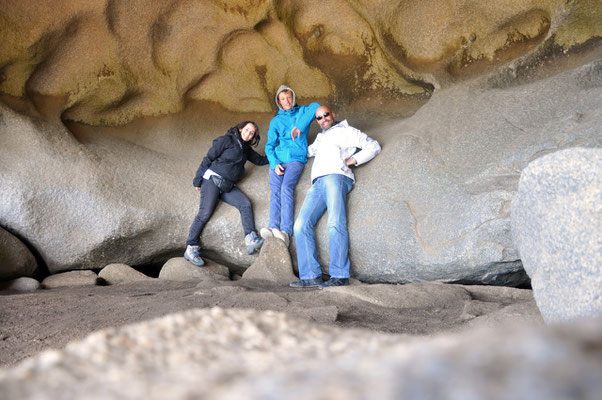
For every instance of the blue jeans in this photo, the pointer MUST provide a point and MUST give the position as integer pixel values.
(327, 193)
(282, 200)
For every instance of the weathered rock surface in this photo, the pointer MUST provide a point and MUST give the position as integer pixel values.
(110, 63)
(121, 273)
(244, 353)
(273, 264)
(443, 211)
(71, 278)
(15, 258)
(433, 206)
(441, 214)
(21, 285)
(107, 64)
(557, 226)
(179, 269)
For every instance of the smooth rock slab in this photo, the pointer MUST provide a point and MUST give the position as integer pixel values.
(499, 294)
(179, 269)
(71, 278)
(417, 295)
(557, 226)
(15, 258)
(486, 315)
(121, 273)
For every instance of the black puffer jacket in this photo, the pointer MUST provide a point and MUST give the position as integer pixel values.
(227, 157)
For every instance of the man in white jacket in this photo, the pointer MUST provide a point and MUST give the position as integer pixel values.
(335, 150)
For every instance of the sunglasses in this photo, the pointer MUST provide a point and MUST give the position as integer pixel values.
(326, 114)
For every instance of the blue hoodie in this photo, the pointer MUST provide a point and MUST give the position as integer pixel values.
(280, 147)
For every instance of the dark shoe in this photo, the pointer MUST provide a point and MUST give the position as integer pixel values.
(332, 282)
(303, 283)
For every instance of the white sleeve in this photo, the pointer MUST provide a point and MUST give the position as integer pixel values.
(313, 148)
(369, 147)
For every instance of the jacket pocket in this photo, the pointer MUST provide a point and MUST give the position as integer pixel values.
(223, 184)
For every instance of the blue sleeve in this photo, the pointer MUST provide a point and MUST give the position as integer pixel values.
(271, 144)
(306, 117)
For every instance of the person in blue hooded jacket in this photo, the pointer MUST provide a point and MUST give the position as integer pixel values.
(286, 149)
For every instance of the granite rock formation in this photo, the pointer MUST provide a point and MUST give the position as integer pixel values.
(16, 261)
(106, 110)
(110, 62)
(557, 226)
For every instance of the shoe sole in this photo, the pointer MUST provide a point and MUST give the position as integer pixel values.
(303, 287)
(192, 262)
(254, 250)
(266, 233)
(283, 237)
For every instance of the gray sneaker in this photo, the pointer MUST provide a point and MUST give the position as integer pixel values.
(253, 243)
(193, 255)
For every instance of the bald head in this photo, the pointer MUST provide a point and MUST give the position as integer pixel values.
(325, 117)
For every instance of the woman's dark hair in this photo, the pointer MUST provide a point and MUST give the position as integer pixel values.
(256, 137)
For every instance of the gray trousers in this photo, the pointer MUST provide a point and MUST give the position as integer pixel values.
(210, 194)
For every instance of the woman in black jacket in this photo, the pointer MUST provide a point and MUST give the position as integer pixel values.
(216, 178)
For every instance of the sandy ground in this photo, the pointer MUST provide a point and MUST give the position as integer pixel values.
(50, 318)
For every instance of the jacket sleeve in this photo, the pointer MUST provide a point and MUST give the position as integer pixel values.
(369, 147)
(271, 144)
(214, 152)
(256, 158)
(307, 116)
(313, 148)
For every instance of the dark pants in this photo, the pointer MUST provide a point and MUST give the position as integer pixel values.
(210, 194)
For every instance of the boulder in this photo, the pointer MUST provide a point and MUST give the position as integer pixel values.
(121, 273)
(15, 258)
(179, 269)
(70, 279)
(20, 285)
(228, 354)
(557, 227)
(273, 264)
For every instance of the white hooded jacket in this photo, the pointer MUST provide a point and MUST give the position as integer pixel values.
(336, 144)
